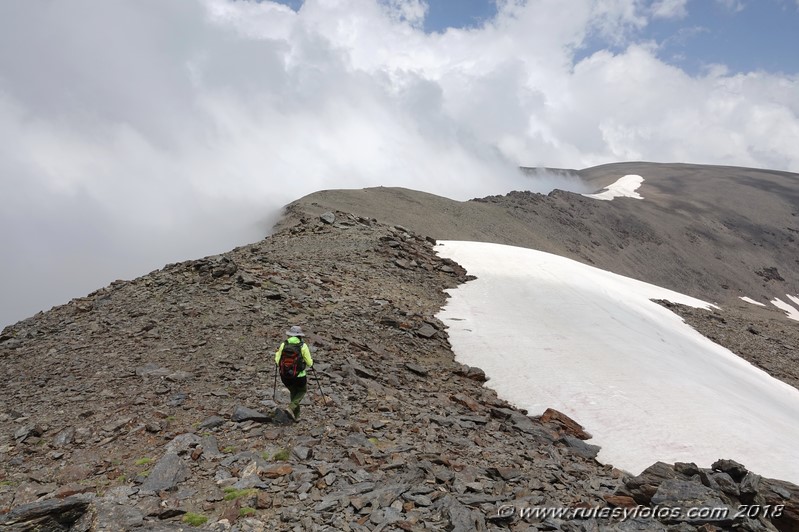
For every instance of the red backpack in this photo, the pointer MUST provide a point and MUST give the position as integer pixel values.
(291, 361)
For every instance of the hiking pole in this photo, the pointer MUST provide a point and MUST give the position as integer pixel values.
(274, 386)
(319, 384)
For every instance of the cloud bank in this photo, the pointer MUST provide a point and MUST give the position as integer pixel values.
(138, 133)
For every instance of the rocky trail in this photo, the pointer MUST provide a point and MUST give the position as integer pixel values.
(148, 405)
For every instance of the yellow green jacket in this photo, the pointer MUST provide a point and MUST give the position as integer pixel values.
(306, 354)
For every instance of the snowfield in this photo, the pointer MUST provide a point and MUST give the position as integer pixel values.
(752, 301)
(552, 332)
(625, 187)
(790, 311)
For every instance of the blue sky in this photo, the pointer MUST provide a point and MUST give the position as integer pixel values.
(744, 35)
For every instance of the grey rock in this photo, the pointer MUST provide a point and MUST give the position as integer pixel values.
(247, 279)
(11, 343)
(119, 494)
(211, 423)
(183, 443)
(416, 369)
(476, 374)
(749, 484)
(505, 473)
(328, 217)
(643, 487)
(242, 413)
(250, 481)
(526, 425)
(727, 484)
(112, 516)
(586, 450)
(210, 448)
(480, 498)
(685, 493)
(117, 424)
(426, 331)
(281, 416)
(688, 469)
(419, 500)
(303, 453)
(384, 516)
(64, 437)
(461, 517)
(179, 376)
(23, 433)
(732, 468)
(360, 370)
(178, 399)
(327, 504)
(166, 475)
(152, 370)
(48, 514)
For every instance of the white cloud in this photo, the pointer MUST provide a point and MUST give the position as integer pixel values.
(410, 11)
(670, 9)
(182, 131)
(733, 6)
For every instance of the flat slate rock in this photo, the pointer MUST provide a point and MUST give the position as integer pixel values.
(167, 474)
(242, 413)
(64, 511)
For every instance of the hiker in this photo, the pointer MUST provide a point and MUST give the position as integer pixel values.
(292, 358)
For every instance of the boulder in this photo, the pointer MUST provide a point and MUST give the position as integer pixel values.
(166, 475)
(731, 467)
(643, 487)
(51, 514)
(569, 425)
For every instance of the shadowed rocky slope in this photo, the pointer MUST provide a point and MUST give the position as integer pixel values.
(147, 405)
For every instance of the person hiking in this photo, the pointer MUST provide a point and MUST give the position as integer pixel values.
(293, 358)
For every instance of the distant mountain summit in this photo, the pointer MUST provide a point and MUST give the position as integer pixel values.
(714, 232)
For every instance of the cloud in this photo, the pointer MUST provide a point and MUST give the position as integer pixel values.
(734, 6)
(669, 9)
(138, 133)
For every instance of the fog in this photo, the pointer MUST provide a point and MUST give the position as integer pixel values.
(133, 134)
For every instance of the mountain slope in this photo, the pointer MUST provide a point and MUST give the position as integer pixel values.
(716, 233)
(128, 408)
(135, 396)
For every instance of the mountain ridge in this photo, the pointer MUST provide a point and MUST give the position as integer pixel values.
(133, 406)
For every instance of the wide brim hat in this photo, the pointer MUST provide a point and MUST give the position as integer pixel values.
(295, 330)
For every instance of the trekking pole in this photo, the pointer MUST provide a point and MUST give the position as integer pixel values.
(319, 384)
(274, 386)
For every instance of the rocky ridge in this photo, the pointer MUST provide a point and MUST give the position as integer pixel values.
(148, 405)
(712, 232)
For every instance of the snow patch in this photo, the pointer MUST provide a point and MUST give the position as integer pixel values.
(623, 188)
(593, 345)
(791, 311)
(752, 301)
